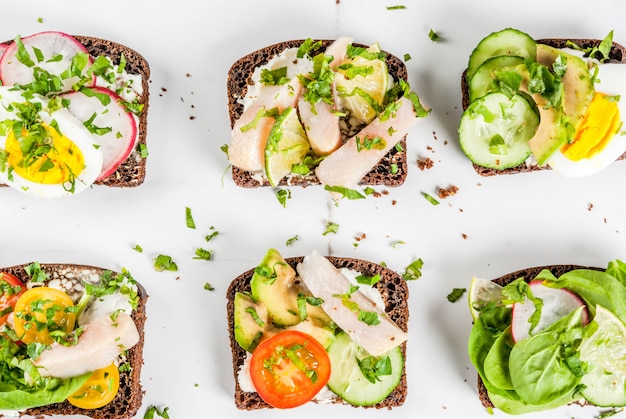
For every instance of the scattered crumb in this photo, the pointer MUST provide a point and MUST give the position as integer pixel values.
(590, 207)
(394, 202)
(187, 75)
(425, 164)
(429, 148)
(163, 89)
(363, 236)
(464, 236)
(191, 118)
(385, 192)
(444, 193)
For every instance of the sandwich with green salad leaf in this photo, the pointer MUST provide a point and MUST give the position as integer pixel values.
(71, 341)
(549, 336)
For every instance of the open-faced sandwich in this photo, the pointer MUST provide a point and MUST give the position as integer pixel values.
(548, 103)
(71, 341)
(549, 336)
(74, 113)
(320, 329)
(308, 112)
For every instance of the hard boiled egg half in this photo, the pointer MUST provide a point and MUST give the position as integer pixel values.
(600, 137)
(45, 150)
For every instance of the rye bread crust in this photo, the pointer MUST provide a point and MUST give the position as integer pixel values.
(617, 55)
(240, 77)
(132, 171)
(395, 293)
(130, 395)
(528, 274)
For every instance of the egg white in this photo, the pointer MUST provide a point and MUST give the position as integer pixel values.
(69, 126)
(612, 83)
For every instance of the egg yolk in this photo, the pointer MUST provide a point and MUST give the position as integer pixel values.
(56, 160)
(599, 124)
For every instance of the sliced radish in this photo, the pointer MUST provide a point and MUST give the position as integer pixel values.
(116, 144)
(557, 303)
(50, 51)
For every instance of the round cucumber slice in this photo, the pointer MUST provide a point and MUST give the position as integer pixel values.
(505, 42)
(495, 129)
(485, 79)
(348, 381)
(603, 388)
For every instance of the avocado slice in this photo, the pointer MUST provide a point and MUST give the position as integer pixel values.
(250, 321)
(578, 91)
(275, 284)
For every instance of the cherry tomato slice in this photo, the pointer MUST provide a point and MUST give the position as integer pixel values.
(289, 369)
(11, 288)
(40, 311)
(99, 390)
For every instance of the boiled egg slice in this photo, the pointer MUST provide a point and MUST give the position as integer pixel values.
(600, 137)
(45, 152)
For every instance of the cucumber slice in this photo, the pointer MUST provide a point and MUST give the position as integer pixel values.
(485, 78)
(495, 129)
(347, 379)
(505, 42)
(603, 388)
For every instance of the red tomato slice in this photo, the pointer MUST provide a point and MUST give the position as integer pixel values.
(289, 368)
(11, 288)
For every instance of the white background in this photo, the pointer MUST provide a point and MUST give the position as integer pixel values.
(490, 227)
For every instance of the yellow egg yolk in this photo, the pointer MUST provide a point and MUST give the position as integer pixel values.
(61, 163)
(599, 124)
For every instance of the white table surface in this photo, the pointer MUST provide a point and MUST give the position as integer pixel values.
(490, 227)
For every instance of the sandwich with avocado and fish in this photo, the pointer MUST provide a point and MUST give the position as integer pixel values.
(318, 329)
(543, 104)
(328, 112)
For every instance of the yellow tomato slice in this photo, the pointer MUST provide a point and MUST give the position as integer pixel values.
(99, 390)
(41, 311)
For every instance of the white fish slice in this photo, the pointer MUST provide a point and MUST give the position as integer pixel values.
(100, 344)
(327, 282)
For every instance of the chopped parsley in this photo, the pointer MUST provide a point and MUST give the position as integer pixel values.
(373, 367)
(208, 287)
(165, 263)
(433, 36)
(212, 234)
(292, 240)
(345, 192)
(150, 412)
(189, 218)
(430, 198)
(398, 7)
(330, 228)
(413, 271)
(137, 248)
(455, 294)
(283, 195)
(203, 254)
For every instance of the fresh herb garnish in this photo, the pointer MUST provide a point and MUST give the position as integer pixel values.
(189, 218)
(455, 294)
(165, 263)
(330, 228)
(414, 270)
(430, 198)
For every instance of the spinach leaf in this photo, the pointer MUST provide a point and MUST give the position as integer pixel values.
(540, 365)
(55, 392)
(496, 364)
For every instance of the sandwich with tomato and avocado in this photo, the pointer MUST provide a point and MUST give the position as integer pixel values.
(543, 104)
(71, 341)
(319, 329)
(549, 336)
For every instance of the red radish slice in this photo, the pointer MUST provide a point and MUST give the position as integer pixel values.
(115, 145)
(50, 51)
(557, 303)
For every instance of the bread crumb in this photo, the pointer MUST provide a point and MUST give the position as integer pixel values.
(424, 164)
(590, 207)
(363, 236)
(394, 202)
(464, 236)
(444, 193)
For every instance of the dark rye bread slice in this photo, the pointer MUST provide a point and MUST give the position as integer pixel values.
(528, 274)
(617, 55)
(394, 291)
(130, 395)
(240, 77)
(132, 171)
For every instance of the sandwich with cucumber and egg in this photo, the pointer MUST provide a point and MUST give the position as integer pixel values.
(325, 112)
(547, 103)
(71, 341)
(318, 329)
(549, 336)
(74, 114)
